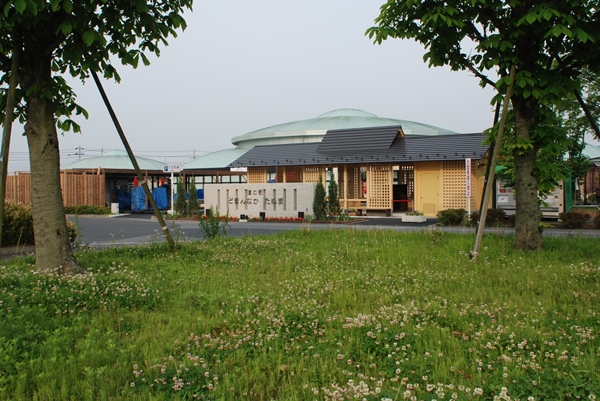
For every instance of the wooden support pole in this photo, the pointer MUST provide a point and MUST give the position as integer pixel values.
(136, 166)
(7, 128)
(494, 158)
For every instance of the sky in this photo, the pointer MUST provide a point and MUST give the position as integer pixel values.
(242, 65)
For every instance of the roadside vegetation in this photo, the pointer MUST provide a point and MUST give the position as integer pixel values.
(307, 315)
(17, 225)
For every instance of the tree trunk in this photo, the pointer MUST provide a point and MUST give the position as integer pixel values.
(52, 246)
(527, 228)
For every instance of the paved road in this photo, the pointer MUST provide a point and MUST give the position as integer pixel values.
(144, 228)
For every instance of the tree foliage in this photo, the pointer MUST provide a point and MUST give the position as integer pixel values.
(180, 201)
(319, 204)
(577, 124)
(76, 36)
(333, 200)
(59, 37)
(549, 43)
(193, 207)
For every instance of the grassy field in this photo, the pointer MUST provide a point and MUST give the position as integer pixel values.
(308, 315)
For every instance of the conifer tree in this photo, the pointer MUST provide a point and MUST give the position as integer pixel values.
(193, 199)
(333, 201)
(180, 201)
(319, 204)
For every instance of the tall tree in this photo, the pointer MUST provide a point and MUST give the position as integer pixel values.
(319, 204)
(333, 199)
(577, 123)
(549, 42)
(66, 36)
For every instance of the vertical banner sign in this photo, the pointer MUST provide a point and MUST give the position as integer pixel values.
(172, 168)
(468, 177)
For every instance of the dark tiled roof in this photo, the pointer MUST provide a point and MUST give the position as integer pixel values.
(402, 150)
(352, 140)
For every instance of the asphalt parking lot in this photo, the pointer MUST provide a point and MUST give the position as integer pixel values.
(143, 228)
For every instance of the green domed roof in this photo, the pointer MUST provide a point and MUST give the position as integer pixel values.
(347, 113)
(313, 129)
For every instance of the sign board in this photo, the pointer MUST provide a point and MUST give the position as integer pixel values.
(172, 168)
(468, 176)
(239, 169)
(256, 200)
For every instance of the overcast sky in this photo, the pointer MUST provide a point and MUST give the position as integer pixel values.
(243, 65)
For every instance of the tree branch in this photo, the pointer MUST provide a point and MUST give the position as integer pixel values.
(582, 103)
(588, 114)
(479, 74)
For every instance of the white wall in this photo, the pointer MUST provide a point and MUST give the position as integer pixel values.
(275, 200)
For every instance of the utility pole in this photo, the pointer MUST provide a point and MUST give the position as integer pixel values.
(78, 152)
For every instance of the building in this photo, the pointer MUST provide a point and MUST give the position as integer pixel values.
(223, 167)
(379, 170)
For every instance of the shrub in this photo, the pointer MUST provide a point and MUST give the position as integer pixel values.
(193, 207)
(180, 200)
(87, 209)
(319, 204)
(415, 213)
(17, 226)
(597, 221)
(333, 198)
(451, 217)
(510, 221)
(494, 217)
(573, 219)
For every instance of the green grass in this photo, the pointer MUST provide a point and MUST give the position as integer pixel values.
(308, 315)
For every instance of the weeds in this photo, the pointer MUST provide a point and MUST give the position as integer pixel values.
(213, 225)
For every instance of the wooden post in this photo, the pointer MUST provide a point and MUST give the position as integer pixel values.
(490, 179)
(8, 117)
(136, 166)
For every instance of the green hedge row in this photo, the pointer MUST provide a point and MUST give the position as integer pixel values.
(17, 225)
(87, 209)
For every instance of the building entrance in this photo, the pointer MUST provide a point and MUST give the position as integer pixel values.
(403, 188)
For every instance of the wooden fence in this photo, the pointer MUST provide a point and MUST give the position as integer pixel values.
(78, 187)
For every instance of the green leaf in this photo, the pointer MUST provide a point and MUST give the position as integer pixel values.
(20, 5)
(66, 28)
(68, 6)
(89, 37)
(145, 59)
(582, 35)
(32, 7)
(531, 18)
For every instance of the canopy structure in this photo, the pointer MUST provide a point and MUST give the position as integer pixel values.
(115, 160)
(216, 160)
(118, 180)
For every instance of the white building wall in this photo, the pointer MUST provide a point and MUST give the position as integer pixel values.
(274, 200)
